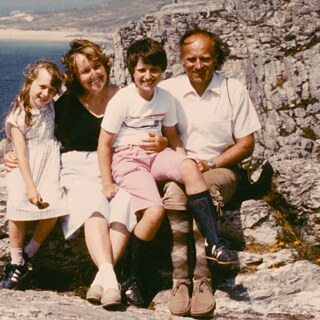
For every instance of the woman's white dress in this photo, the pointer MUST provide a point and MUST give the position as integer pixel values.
(44, 158)
(80, 177)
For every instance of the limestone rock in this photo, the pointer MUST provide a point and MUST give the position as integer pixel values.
(275, 52)
(298, 181)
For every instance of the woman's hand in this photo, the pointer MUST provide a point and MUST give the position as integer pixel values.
(154, 143)
(110, 191)
(10, 161)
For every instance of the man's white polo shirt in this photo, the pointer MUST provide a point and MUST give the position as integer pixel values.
(208, 125)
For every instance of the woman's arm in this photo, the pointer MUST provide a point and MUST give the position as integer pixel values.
(174, 141)
(24, 166)
(109, 189)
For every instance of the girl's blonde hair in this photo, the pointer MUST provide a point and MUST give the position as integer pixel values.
(31, 73)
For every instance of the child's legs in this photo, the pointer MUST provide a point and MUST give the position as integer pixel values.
(142, 188)
(166, 165)
(175, 166)
(192, 177)
(43, 229)
(146, 202)
(16, 233)
(151, 220)
(16, 237)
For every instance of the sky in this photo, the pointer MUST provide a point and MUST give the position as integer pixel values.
(7, 6)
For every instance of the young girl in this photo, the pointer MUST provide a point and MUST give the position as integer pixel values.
(34, 191)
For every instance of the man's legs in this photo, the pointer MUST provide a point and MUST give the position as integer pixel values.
(222, 184)
(202, 301)
(180, 227)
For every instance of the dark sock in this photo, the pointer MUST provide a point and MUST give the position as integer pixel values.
(205, 215)
(139, 252)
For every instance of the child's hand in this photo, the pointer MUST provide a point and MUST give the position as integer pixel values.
(154, 143)
(34, 196)
(110, 191)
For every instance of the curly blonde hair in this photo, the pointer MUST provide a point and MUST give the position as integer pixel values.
(92, 52)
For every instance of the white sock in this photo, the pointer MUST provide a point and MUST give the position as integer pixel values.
(97, 281)
(31, 248)
(108, 276)
(16, 256)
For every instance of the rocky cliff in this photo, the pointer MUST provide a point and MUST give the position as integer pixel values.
(275, 51)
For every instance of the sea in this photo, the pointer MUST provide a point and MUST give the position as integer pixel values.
(14, 57)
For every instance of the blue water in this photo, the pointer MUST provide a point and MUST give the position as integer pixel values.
(14, 56)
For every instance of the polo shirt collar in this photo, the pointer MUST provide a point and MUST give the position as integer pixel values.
(214, 85)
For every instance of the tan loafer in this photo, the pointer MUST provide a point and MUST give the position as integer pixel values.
(179, 303)
(202, 302)
(94, 294)
(111, 298)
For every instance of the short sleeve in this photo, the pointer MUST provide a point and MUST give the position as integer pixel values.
(13, 120)
(245, 118)
(114, 114)
(170, 118)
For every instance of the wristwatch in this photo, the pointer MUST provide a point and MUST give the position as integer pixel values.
(211, 163)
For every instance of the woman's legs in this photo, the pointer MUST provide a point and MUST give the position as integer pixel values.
(119, 236)
(97, 238)
(105, 247)
(98, 242)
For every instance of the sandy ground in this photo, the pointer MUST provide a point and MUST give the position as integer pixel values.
(45, 35)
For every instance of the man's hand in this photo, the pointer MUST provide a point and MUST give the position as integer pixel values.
(154, 143)
(10, 161)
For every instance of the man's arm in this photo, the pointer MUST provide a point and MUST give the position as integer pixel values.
(242, 149)
(109, 189)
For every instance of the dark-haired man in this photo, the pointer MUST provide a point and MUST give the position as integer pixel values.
(216, 123)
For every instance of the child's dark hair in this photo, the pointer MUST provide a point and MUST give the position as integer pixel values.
(92, 52)
(31, 73)
(150, 51)
(220, 49)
